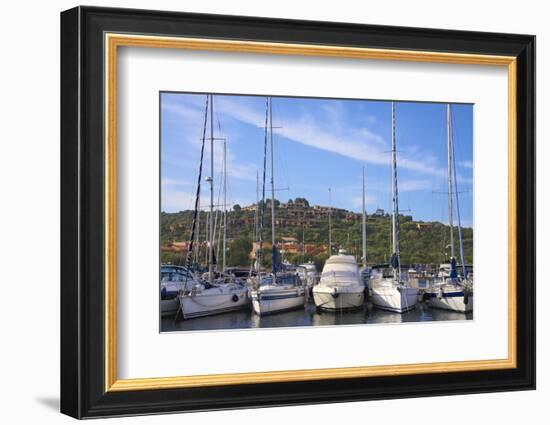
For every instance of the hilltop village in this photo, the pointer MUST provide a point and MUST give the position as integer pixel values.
(302, 234)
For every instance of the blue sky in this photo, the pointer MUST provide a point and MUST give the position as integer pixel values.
(320, 143)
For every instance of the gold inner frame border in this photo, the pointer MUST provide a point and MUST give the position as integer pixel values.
(113, 40)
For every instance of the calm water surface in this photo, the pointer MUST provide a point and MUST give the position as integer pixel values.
(308, 316)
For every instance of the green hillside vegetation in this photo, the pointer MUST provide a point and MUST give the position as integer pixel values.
(421, 242)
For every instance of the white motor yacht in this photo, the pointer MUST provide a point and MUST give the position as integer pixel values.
(341, 285)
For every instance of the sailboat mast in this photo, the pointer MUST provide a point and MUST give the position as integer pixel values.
(459, 224)
(224, 246)
(273, 248)
(211, 223)
(395, 201)
(262, 211)
(364, 224)
(198, 237)
(329, 222)
(196, 211)
(449, 179)
(255, 233)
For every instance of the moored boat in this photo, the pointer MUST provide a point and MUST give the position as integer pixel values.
(173, 280)
(217, 292)
(278, 292)
(204, 299)
(341, 286)
(451, 291)
(393, 293)
(308, 274)
(450, 295)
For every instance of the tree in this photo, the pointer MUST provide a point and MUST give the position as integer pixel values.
(302, 200)
(421, 242)
(268, 202)
(239, 250)
(319, 261)
(267, 258)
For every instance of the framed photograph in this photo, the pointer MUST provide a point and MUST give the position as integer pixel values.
(261, 212)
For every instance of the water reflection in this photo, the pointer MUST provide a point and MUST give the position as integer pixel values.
(309, 316)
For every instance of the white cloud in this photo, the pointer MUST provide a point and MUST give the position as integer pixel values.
(328, 133)
(414, 185)
(463, 180)
(238, 169)
(183, 111)
(174, 198)
(174, 182)
(327, 130)
(466, 164)
(191, 116)
(357, 201)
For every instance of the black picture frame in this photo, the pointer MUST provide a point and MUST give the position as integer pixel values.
(83, 392)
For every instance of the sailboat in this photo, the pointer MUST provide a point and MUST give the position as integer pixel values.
(451, 291)
(173, 280)
(279, 290)
(341, 285)
(214, 293)
(393, 292)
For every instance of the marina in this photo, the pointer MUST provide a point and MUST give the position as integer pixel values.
(244, 267)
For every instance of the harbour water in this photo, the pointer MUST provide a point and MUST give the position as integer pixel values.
(309, 316)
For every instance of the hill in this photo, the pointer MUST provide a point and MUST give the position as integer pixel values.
(302, 235)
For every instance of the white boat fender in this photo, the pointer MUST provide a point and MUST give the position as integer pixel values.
(440, 293)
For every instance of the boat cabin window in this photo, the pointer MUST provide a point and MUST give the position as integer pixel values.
(171, 276)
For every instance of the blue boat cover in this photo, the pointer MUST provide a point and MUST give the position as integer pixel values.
(454, 274)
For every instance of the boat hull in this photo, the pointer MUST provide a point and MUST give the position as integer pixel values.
(450, 300)
(270, 302)
(169, 307)
(328, 300)
(213, 301)
(341, 286)
(395, 299)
